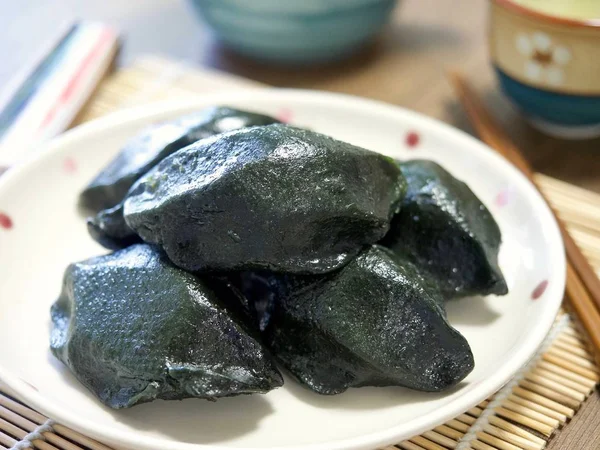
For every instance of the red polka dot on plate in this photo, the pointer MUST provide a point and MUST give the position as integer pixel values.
(70, 165)
(503, 198)
(539, 290)
(5, 221)
(285, 115)
(412, 139)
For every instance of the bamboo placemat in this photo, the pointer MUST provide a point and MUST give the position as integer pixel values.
(524, 414)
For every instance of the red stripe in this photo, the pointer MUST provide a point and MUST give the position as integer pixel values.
(75, 80)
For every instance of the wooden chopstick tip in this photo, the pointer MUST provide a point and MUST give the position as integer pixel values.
(456, 78)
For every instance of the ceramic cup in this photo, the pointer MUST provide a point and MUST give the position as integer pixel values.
(549, 66)
(295, 31)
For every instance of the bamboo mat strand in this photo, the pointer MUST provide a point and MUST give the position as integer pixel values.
(521, 416)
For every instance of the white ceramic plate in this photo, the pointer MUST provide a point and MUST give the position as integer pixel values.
(41, 232)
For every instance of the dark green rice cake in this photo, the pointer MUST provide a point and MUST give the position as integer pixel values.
(133, 328)
(447, 232)
(155, 143)
(109, 229)
(273, 197)
(376, 322)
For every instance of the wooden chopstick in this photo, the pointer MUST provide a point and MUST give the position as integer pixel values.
(583, 285)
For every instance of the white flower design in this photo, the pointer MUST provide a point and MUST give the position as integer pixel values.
(545, 60)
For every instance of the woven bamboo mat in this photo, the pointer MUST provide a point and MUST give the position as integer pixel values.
(542, 398)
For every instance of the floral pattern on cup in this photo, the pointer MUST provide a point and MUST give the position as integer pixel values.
(545, 58)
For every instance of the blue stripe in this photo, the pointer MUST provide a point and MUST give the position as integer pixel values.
(561, 109)
(27, 91)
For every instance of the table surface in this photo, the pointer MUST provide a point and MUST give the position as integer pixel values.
(406, 65)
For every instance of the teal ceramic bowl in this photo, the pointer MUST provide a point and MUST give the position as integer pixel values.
(295, 31)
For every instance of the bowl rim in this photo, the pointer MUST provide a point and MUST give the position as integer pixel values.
(545, 17)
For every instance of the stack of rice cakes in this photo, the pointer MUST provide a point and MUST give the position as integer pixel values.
(241, 243)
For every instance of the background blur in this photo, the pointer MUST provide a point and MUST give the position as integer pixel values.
(406, 65)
